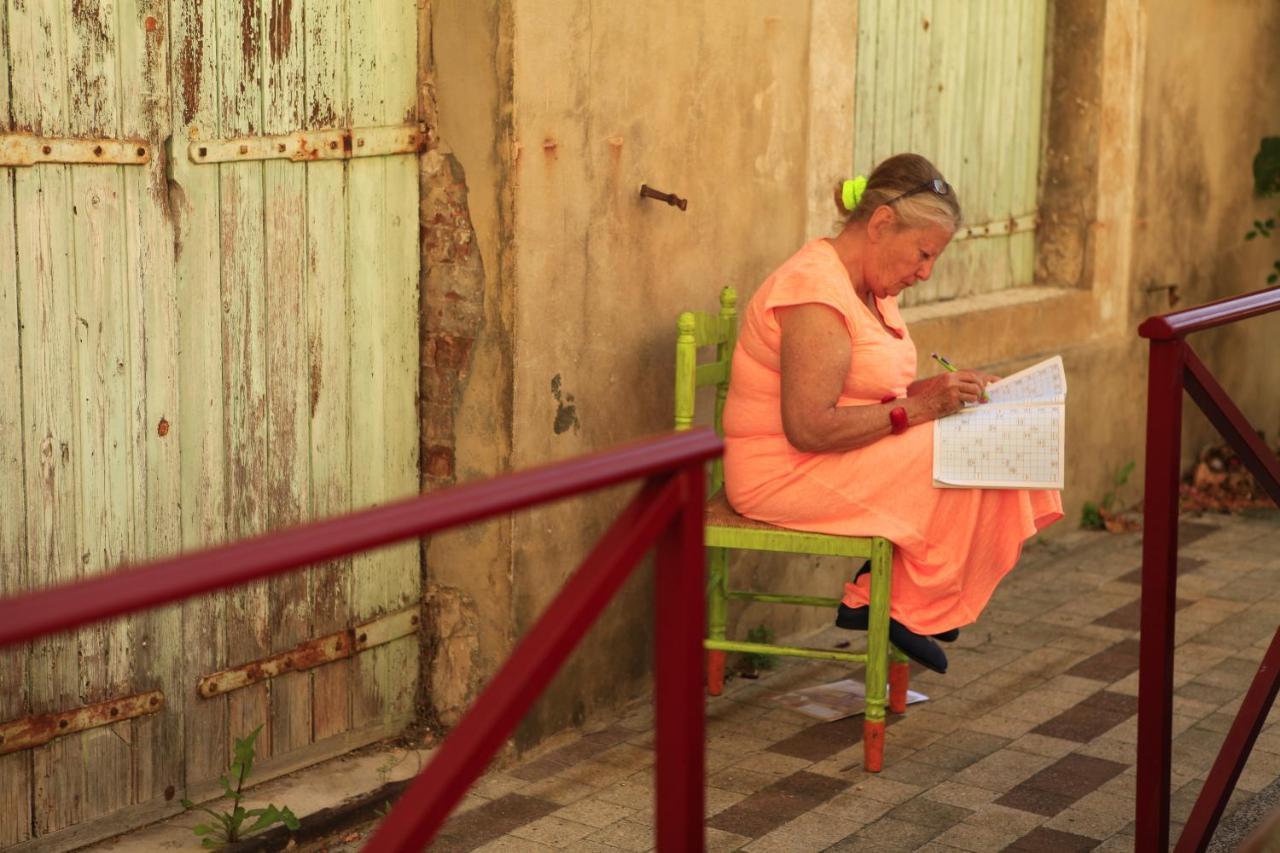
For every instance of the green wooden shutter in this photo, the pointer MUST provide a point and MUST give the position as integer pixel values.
(960, 83)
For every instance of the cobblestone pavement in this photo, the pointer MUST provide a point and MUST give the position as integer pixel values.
(1027, 744)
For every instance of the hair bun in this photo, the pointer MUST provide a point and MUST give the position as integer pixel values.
(851, 192)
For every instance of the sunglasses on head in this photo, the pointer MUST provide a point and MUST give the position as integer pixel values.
(937, 186)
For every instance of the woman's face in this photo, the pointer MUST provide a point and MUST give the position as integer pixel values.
(901, 257)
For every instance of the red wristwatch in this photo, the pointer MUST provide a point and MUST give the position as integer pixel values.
(897, 416)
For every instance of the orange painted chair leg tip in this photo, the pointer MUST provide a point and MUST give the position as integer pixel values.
(899, 678)
(873, 745)
(715, 673)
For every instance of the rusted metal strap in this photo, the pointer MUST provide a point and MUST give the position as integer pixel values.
(305, 145)
(36, 730)
(1000, 228)
(336, 646)
(26, 149)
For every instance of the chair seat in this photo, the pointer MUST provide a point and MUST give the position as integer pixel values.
(721, 514)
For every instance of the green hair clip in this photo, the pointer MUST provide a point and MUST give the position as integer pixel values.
(851, 192)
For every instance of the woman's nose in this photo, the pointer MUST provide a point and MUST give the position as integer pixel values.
(925, 270)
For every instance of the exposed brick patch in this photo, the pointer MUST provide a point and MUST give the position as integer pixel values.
(453, 287)
(1091, 717)
(1061, 784)
(1044, 840)
(1110, 664)
(483, 824)
(783, 801)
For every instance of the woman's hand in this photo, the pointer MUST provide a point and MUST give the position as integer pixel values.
(947, 393)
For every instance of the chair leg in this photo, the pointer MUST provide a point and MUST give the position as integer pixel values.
(717, 599)
(877, 656)
(899, 679)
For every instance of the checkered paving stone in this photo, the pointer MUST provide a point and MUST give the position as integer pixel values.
(1026, 745)
(1090, 718)
(1110, 664)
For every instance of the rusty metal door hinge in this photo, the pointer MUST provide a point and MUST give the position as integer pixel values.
(1000, 228)
(39, 729)
(27, 149)
(336, 646)
(309, 145)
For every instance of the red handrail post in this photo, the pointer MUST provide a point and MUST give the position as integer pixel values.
(679, 622)
(1159, 587)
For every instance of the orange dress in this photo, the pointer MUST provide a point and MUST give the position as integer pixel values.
(951, 546)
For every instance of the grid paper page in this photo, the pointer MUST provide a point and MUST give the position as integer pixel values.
(1045, 382)
(1013, 447)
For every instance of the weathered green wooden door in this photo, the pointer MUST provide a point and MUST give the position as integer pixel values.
(215, 342)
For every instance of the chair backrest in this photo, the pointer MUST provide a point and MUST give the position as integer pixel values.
(699, 329)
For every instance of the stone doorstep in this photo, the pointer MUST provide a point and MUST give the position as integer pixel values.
(335, 793)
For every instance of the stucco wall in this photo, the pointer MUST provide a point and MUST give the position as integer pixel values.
(558, 111)
(1210, 96)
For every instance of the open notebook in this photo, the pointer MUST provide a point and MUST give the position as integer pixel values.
(1015, 441)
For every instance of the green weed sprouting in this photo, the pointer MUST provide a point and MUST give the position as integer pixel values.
(228, 827)
(752, 662)
(1266, 184)
(1093, 516)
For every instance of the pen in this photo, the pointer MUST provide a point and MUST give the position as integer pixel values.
(951, 368)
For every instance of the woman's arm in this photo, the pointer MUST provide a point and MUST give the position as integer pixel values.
(815, 362)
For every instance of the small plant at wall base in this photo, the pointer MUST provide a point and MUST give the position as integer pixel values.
(1104, 515)
(752, 663)
(229, 827)
(1266, 184)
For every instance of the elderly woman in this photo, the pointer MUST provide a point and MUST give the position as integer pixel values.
(812, 439)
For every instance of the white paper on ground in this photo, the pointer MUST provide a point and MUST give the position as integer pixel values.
(834, 701)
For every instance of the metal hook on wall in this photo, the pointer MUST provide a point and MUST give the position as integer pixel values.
(672, 199)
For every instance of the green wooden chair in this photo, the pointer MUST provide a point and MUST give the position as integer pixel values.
(727, 530)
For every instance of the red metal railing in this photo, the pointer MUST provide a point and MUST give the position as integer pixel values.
(668, 511)
(1173, 368)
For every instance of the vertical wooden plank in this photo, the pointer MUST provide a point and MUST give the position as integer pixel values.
(288, 388)
(978, 47)
(383, 267)
(328, 349)
(102, 359)
(865, 87)
(887, 73)
(244, 347)
(15, 769)
(1026, 193)
(146, 112)
(200, 429)
(951, 26)
(45, 280)
(999, 128)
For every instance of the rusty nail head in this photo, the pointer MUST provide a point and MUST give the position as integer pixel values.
(97, 149)
(203, 151)
(333, 144)
(48, 149)
(363, 637)
(413, 620)
(115, 712)
(155, 700)
(142, 152)
(280, 147)
(62, 724)
(359, 143)
(288, 662)
(244, 149)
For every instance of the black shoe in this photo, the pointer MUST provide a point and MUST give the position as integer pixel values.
(918, 647)
(946, 636)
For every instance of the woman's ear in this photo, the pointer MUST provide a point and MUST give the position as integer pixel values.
(881, 222)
